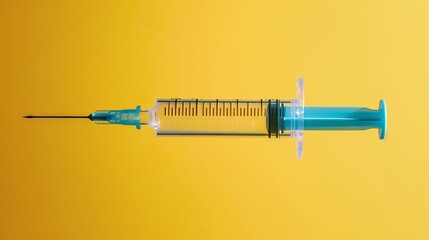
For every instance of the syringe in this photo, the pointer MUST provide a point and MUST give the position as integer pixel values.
(271, 118)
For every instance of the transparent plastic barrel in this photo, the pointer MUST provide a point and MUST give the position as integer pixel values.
(193, 117)
(272, 118)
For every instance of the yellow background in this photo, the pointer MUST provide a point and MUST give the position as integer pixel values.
(72, 179)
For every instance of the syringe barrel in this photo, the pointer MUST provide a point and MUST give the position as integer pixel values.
(194, 117)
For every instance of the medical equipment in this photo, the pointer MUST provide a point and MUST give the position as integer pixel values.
(271, 118)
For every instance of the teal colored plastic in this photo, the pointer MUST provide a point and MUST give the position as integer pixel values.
(123, 117)
(341, 118)
(383, 126)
